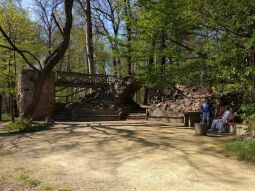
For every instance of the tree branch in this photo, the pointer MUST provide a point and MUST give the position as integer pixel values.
(17, 50)
(23, 51)
(54, 58)
(56, 22)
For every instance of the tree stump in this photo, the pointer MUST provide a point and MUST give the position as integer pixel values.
(200, 129)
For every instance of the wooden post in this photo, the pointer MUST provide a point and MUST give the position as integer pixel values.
(186, 120)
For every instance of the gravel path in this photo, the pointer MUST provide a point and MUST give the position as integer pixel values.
(118, 156)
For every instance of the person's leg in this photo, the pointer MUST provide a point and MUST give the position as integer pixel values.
(208, 118)
(214, 125)
(221, 126)
(203, 117)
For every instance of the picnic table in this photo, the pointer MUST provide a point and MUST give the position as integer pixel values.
(190, 118)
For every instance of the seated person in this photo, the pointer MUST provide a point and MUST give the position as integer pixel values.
(221, 112)
(218, 124)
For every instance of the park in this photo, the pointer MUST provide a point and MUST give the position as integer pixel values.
(105, 95)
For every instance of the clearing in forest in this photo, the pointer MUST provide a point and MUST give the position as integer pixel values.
(126, 155)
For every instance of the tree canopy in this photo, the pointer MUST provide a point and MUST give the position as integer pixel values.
(193, 42)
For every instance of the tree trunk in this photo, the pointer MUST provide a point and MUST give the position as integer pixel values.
(146, 91)
(12, 109)
(89, 38)
(51, 61)
(129, 35)
(162, 48)
(115, 66)
(1, 106)
(146, 95)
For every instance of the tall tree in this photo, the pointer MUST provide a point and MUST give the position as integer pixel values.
(21, 31)
(49, 62)
(128, 13)
(86, 7)
(108, 20)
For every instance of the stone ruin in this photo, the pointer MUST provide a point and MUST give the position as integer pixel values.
(25, 94)
(114, 99)
(172, 103)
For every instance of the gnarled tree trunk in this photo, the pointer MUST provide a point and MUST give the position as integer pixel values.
(51, 61)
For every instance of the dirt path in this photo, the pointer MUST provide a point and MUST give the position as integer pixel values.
(117, 156)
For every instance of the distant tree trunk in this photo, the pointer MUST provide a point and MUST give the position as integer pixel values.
(162, 48)
(1, 106)
(146, 95)
(129, 35)
(146, 90)
(12, 109)
(114, 62)
(89, 38)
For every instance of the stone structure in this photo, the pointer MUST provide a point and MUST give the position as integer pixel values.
(111, 98)
(25, 94)
(180, 101)
(109, 102)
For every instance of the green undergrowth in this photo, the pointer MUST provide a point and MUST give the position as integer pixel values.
(242, 149)
(27, 181)
(24, 178)
(26, 125)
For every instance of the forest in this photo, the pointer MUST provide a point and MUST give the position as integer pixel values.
(209, 43)
(121, 95)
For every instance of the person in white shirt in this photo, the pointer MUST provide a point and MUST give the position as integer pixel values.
(218, 124)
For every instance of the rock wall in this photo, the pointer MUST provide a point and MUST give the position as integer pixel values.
(181, 99)
(25, 94)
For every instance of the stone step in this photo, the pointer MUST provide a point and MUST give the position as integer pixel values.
(136, 115)
(62, 115)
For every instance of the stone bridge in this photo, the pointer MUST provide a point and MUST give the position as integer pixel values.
(73, 79)
(56, 79)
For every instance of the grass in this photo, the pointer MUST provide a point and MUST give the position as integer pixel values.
(26, 181)
(47, 187)
(242, 149)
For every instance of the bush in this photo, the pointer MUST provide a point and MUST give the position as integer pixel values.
(26, 125)
(6, 117)
(242, 149)
(248, 112)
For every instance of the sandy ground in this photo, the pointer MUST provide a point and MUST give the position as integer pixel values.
(117, 156)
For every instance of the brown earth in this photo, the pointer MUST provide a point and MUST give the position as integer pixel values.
(118, 156)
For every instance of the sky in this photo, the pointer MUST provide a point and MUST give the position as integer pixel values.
(26, 3)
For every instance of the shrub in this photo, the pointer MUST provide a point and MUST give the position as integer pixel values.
(248, 112)
(26, 125)
(6, 117)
